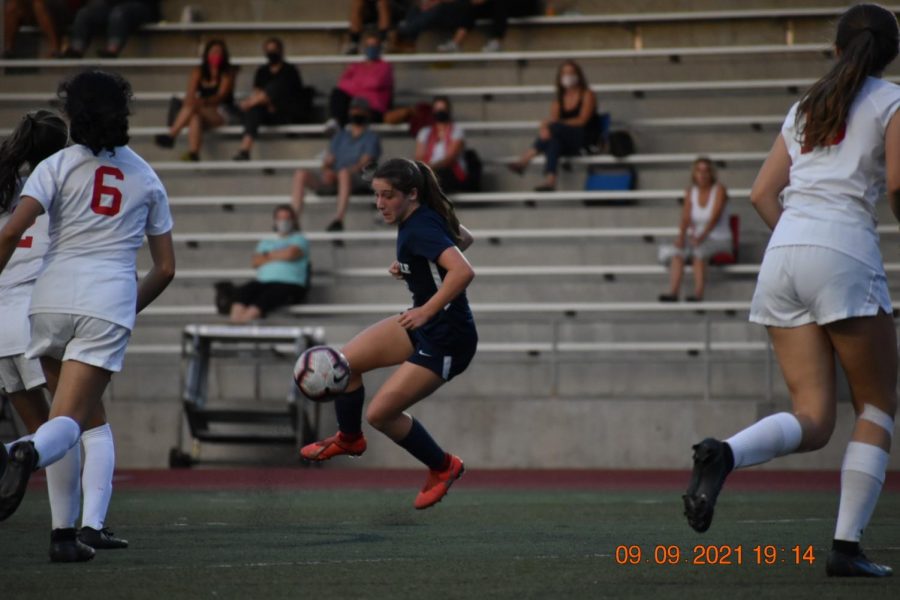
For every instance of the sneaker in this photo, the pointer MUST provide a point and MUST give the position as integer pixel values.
(668, 298)
(241, 155)
(335, 225)
(707, 479)
(335, 445)
(190, 157)
(164, 140)
(841, 564)
(103, 539)
(65, 547)
(21, 464)
(493, 45)
(350, 48)
(448, 46)
(438, 483)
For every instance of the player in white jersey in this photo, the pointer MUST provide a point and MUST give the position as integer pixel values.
(102, 199)
(822, 288)
(38, 135)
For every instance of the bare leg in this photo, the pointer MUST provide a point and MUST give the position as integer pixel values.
(383, 344)
(345, 183)
(32, 407)
(699, 265)
(47, 24)
(676, 272)
(806, 358)
(409, 384)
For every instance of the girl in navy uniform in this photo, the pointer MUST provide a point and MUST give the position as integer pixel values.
(432, 342)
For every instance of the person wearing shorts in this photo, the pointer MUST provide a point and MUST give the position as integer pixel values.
(822, 289)
(352, 150)
(282, 271)
(102, 199)
(432, 342)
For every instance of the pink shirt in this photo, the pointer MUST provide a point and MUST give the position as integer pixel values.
(372, 80)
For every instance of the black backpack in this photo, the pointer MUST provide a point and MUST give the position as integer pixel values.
(621, 144)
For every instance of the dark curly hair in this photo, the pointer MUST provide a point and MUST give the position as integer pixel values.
(97, 104)
(39, 134)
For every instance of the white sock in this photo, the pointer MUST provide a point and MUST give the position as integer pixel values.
(54, 438)
(862, 475)
(768, 438)
(24, 438)
(64, 489)
(99, 464)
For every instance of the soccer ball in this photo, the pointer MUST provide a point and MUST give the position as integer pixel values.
(320, 372)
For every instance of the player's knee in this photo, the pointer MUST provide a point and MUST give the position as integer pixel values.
(377, 418)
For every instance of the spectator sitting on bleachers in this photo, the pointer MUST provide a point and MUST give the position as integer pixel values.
(573, 123)
(352, 149)
(117, 18)
(432, 14)
(208, 102)
(282, 271)
(442, 147)
(371, 79)
(275, 99)
(702, 232)
(52, 16)
(499, 12)
(379, 12)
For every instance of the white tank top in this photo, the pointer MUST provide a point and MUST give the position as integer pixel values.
(833, 190)
(700, 215)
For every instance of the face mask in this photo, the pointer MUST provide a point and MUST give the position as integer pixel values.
(214, 60)
(569, 80)
(273, 57)
(282, 226)
(359, 119)
(442, 116)
(373, 52)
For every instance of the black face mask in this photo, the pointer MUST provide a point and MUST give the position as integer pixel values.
(442, 116)
(273, 57)
(359, 119)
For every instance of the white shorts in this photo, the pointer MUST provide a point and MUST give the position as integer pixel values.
(707, 249)
(813, 284)
(18, 373)
(77, 337)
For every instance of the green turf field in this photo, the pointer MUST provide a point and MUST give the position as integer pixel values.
(476, 544)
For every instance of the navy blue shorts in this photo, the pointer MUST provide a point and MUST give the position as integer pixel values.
(447, 361)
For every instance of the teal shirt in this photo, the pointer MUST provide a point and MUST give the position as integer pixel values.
(284, 271)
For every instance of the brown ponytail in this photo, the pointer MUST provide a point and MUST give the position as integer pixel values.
(867, 41)
(39, 134)
(406, 175)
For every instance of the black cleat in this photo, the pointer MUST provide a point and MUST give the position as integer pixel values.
(841, 564)
(21, 464)
(710, 470)
(65, 547)
(102, 539)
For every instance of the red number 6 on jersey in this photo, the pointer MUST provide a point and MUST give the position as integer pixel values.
(101, 189)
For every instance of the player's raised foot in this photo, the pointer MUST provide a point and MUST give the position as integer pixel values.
(438, 483)
(65, 547)
(843, 564)
(335, 445)
(19, 467)
(101, 539)
(711, 467)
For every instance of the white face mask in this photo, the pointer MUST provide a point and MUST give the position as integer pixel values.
(282, 226)
(568, 80)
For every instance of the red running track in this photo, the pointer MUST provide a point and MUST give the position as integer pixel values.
(508, 479)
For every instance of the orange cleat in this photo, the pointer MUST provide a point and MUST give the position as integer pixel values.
(335, 445)
(438, 483)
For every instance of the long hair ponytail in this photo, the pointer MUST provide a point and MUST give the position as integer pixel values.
(406, 175)
(39, 134)
(867, 41)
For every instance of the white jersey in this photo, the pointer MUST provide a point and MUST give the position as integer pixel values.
(100, 208)
(16, 283)
(833, 190)
(700, 215)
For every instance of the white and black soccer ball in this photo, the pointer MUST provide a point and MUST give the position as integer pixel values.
(321, 372)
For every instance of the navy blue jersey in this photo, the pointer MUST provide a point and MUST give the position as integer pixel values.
(421, 239)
